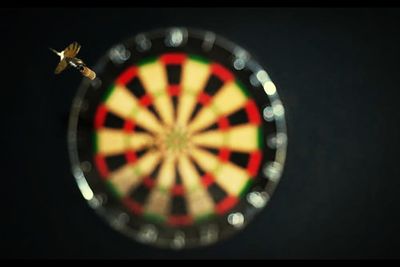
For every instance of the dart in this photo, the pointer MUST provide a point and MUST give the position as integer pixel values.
(68, 59)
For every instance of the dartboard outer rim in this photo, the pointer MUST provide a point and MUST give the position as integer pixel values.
(113, 217)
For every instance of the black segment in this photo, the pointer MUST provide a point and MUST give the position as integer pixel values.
(216, 192)
(213, 85)
(113, 121)
(195, 111)
(115, 162)
(213, 151)
(174, 74)
(140, 194)
(140, 153)
(136, 87)
(198, 169)
(140, 129)
(175, 104)
(212, 127)
(178, 206)
(178, 178)
(155, 172)
(240, 159)
(153, 110)
(239, 117)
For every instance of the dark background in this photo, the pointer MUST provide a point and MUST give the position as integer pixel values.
(336, 70)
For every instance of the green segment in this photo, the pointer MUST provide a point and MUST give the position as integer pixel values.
(114, 191)
(147, 61)
(154, 217)
(204, 217)
(199, 59)
(242, 88)
(260, 137)
(108, 93)
(245, 188)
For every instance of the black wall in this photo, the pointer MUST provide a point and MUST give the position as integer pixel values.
(336, 70)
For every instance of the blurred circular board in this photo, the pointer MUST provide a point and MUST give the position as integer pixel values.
(180, 140)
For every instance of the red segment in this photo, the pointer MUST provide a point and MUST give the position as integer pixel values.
(207, 179)
(180, 220)
(223, 123)
(204, 98)
(226, 204)
(174, 90)
(148, 182)
(254, 163)
(133, 206)
(224, 154)
(173, 58)
(130, 156)
(145, 100)
(126, 76)
(100, 116)
(101, 165)
(178, 190)
(221, 72)
(129, 126)
(252, 112)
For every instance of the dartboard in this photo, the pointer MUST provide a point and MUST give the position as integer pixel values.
(180, 140)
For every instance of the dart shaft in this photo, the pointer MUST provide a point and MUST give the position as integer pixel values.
(88, 73)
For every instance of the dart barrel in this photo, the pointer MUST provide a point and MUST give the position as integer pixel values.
(88, 73)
